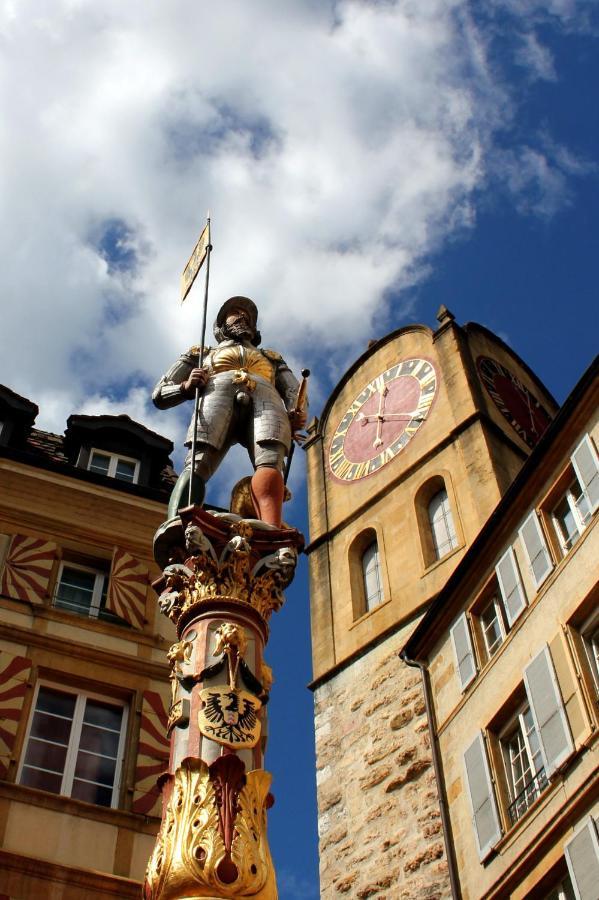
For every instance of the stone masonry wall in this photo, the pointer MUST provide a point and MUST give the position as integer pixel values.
(378, 814)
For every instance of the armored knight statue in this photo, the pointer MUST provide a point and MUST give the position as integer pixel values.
(247, 396)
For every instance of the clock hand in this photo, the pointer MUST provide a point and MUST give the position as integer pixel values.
(532, 421)
(379, 425)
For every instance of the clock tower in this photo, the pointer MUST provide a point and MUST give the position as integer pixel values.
(414, 449)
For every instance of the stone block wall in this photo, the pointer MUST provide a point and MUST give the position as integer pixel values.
(379, 822)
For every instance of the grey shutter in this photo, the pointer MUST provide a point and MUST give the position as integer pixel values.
(533, 540)
(582, 857)
(510, 585)
(548, 710)
(586, 466)
(464, 651)
(482, 799)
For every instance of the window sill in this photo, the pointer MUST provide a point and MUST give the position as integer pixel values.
(121, 818)
(439, 562)
(45, 611)
(369, 613)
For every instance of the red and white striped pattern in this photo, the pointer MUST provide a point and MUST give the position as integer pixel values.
(27, 568)
(14, 673)
(128, 588)
(152, 754)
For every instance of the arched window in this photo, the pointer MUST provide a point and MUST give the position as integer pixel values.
(366, 573)
(371, 573)
(441, 523)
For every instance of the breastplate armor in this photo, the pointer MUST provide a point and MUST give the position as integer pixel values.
(243, 359)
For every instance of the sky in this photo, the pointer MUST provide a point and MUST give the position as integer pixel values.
(363, 162)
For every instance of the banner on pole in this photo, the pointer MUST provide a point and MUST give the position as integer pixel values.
(195, 262)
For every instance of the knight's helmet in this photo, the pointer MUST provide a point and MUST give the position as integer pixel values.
(237, 303)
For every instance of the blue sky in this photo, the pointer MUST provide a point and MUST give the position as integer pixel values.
(364, 162)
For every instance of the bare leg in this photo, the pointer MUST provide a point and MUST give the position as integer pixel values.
(267, 494)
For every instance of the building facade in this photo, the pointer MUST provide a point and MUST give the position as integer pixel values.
(83, 675)
(510, 652)
(415, 448)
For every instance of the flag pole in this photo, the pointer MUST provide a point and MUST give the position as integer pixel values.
(196, 409)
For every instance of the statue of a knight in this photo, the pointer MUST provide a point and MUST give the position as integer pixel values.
(247, 396)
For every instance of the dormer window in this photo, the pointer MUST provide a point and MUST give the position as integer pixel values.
(123, 468)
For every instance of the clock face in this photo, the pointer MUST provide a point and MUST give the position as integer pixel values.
(522, 410)
(383, 418)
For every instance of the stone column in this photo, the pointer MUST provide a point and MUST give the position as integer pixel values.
(223, 576)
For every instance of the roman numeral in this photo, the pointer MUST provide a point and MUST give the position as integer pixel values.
(336, 457)
(342, 469)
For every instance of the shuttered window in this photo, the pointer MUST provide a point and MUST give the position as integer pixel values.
(586, 466)
(582, 857)
(524, 764)
(482, 798)
(510, 585)
(548, 710)
(464, 651)
(533, 541)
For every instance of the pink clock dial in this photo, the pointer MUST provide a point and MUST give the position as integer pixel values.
(383, 418)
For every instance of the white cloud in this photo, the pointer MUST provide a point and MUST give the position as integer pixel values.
(337, 146)
(536, 57)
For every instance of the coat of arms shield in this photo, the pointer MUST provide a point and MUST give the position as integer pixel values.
(229, 716)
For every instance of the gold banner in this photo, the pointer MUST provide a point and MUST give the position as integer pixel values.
(195, 262)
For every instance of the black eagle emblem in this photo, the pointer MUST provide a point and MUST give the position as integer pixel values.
(230, 716)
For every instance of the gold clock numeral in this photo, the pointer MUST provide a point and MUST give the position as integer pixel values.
(342, 470)
(361, 470)
(424, 405)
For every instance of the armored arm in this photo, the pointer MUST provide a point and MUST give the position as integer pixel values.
(287, 384)
(169, 390)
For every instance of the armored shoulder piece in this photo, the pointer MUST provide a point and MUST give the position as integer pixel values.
(195, 350)
(273, 355)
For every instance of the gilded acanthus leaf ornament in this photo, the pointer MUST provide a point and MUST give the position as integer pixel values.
(213, 837)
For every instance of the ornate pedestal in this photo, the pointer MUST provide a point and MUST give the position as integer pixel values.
(223, 577)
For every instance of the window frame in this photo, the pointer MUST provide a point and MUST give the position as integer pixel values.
(114, 459)
(537, 780)
(68, 775)
(447, 520)
(101, 578)
(563, 890)
(589, 632)
(492, 598)
(370, 605)
(489, 594)
(357, 545)
(569, 497)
